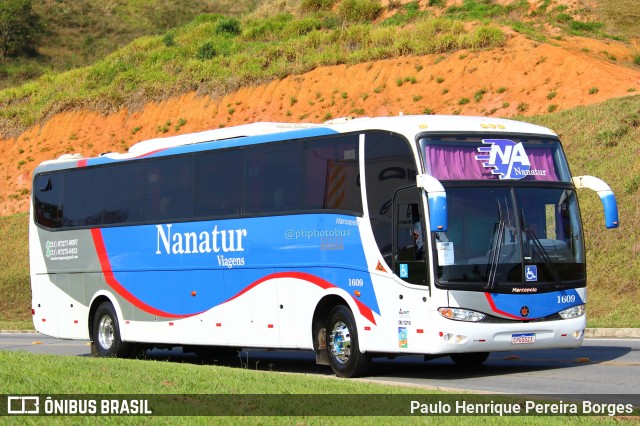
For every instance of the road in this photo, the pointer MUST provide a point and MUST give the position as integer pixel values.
(608, 368)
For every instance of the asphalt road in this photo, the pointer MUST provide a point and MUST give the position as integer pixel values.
(607, 369)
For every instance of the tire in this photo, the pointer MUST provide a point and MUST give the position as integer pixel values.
(471, 359)
(106, 334)
(343, 348)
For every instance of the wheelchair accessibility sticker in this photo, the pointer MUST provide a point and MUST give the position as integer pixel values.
(531, 272)
(404, 270)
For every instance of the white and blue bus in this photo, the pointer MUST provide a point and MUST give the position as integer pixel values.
(433, 235)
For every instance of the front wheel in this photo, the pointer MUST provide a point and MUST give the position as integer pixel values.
(106, 334)
(342, 344)
(471, 359)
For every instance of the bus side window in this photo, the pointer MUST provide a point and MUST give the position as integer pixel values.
(409, 233)
(273, 179)
(409, 260)
(170, 189)
(83, 190)
(48, 200)
(125, 190)
(219, 180)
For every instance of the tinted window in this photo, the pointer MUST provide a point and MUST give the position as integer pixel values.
(125, 193)
(48, 200)
(273, 176)
(83, 197)
(169, 189)
(330, 177)
(389, 166)
(294, 176)
(218, 183)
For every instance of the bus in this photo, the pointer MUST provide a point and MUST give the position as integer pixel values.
(356, 238)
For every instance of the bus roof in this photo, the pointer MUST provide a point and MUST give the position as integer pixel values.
(408, 125)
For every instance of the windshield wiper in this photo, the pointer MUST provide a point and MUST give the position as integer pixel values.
(539, 248)
(495, 254)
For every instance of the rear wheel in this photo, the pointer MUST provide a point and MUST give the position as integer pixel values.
(472, 359)
(342, 344)
(106, 333)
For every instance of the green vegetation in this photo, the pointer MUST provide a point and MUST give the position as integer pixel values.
(76, 33)
(479, 94)
(20, 28)
(22, 372)
(409, 12)
(621, 17)
(26, 374)
(479, 10)
(213, 55)
(359, 10)
(15, 303)
(598, 140)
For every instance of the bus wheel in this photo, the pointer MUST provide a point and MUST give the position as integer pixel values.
(471, 359)
(342, 344)
(106, 333)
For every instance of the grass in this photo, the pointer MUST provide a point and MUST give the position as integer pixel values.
(620, 16)
(15, 303)
(188, 387)
(79, 32)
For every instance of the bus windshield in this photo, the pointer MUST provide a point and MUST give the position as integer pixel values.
(514, 224)
(508, 239)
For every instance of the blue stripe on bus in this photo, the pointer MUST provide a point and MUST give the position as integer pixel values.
(162, 265)
(226, 143)
(537, 305)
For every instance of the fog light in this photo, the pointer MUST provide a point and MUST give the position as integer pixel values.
(578, 334)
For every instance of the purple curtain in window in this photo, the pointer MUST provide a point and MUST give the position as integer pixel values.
(459, 163)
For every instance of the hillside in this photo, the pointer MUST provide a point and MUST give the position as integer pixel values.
(76, 33)
(523, 77)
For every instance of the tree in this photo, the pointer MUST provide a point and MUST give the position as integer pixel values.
(20, 27)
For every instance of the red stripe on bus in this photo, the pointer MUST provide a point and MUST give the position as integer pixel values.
(111, 280)
(364, 309)
(495, 309)
(146, 154)
(103, 257)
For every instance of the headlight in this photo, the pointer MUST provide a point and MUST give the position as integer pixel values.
(573, 312)
(458, 314)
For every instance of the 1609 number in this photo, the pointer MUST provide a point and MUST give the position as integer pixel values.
(356, 282)
(567, 298)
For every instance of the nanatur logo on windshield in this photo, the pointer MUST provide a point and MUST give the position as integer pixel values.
(506, 159)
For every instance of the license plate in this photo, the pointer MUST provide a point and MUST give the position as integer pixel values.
(525, 338)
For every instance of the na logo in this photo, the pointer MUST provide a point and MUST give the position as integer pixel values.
(506, 158)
